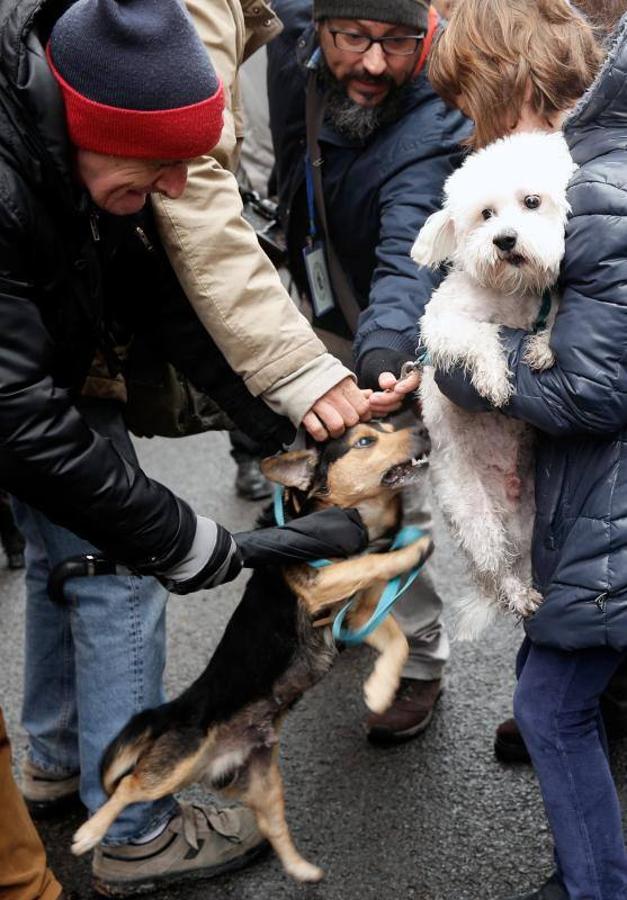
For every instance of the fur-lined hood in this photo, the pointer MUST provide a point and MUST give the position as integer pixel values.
(600, 117)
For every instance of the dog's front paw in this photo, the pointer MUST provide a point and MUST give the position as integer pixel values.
(538, 354)
(379, 692)
(493, 384)
(520, 598)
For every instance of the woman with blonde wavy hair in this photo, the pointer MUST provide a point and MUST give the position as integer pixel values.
(516, 65)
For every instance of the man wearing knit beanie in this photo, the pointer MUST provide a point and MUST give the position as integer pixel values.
(99, 109)
(152, 101)
(364, 146)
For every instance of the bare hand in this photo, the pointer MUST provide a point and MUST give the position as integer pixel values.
(340, 408)
(392, 392)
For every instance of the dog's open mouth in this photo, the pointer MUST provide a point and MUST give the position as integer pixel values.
(406, 472)
(514, 259)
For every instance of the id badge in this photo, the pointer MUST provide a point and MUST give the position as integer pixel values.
(318, 278)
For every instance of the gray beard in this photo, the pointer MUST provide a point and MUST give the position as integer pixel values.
(359, 123)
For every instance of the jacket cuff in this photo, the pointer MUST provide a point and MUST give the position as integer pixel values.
(179, 547)
(294, 395)
(389, 340)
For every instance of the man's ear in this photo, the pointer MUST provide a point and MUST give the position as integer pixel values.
(436, 240)
(295, 469)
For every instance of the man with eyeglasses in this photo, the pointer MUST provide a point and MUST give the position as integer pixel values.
(363, 146)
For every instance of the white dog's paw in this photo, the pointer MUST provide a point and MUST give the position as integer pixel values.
(493, 383)
(521, 598)
(85, 839)
(538, 354)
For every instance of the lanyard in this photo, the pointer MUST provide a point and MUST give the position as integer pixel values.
(311, 200)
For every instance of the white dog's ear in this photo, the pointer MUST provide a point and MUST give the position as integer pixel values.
(436, 240)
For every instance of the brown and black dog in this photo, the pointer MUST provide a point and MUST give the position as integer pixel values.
(224, 729)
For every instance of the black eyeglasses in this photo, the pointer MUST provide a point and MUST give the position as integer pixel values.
(394, 45)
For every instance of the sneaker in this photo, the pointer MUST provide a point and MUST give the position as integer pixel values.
(509, 745)
(48, 795)
(250, 483)
(409, 715)
(200, 842)
(552, 890)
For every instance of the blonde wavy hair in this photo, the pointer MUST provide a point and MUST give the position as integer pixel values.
(496, 54)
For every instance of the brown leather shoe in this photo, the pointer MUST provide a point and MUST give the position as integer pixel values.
(409, 715)
(509, 745)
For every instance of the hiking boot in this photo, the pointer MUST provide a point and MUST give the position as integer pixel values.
(409, 715)
(509, 745)
(48, 795)
(552, 890)
(200, 842)
(250, 483)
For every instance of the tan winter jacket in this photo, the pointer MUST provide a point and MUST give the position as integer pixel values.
(231, 284)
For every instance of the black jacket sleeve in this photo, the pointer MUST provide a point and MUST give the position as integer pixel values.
(49, 457)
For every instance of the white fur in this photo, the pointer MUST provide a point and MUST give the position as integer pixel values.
(482, 464)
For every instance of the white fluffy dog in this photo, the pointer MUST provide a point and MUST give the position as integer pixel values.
(502, 228)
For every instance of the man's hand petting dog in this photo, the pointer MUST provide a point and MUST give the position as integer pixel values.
(393, 393)
(340, 408)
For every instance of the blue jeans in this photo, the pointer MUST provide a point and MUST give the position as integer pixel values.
(556, 706)
(91, 666)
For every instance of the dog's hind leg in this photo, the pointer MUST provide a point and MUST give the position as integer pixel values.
(264, 795)
(95, 828)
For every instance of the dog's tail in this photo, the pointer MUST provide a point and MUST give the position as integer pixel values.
(124, 751)
(472, 616)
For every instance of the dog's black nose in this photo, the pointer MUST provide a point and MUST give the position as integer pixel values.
(506, 241)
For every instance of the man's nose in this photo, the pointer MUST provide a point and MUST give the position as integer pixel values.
(172, 181)
(374, 60)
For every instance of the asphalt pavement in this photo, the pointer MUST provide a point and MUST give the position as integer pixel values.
(435, 819)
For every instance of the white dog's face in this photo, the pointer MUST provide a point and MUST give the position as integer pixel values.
(504, 215)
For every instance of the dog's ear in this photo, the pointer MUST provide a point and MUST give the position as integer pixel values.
(436, 240)
(295, 469)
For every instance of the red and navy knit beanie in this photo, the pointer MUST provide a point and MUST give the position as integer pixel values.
(136, 79)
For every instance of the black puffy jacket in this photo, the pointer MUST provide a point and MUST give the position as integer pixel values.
(580, 404)
(74, 281)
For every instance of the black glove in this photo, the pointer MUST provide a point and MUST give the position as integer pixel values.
(329, 532)
(374, 362)
(212, 559)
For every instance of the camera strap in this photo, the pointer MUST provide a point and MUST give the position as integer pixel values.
(339, 283)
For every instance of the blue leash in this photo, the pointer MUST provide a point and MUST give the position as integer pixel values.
(393, 591)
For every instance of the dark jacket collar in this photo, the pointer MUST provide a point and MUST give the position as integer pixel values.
(28, 90)
(598, 123)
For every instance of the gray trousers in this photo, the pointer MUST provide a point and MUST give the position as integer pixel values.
(419, 611)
